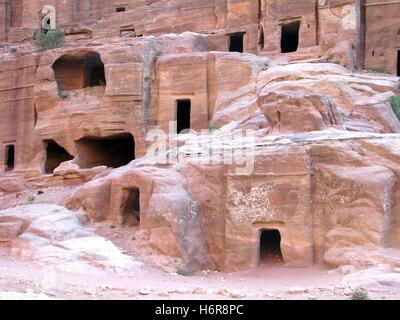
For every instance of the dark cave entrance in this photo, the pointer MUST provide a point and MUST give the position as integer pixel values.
(183, 110)
(290, 37)
(96, 74)
(120, 9)
(113, 151)
(261, 39)
(55, 155)
(398, 63)
(79, 70)
(270, 246)
(10, 157)
(236, 42)
(131, 207)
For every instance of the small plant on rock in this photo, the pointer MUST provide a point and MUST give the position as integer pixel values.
(360, 294)
(62, 94)
(185, 273)
(395, 103)
(213, 128)
(50, 40)
(378, 70)
(31, 199)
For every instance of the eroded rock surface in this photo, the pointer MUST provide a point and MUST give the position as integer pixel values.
(52, 235)
(294, 100)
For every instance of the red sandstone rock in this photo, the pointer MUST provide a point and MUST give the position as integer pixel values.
(325, 147)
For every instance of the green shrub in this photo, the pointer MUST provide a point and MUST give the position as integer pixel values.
(50, 40)
(63, 95)
(185, 273)
(378, 70)
(395, 102)
(13, 50)
(31, 199)
(360, 294)
(213, 128)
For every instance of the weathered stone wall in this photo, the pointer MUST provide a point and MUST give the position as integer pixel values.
(183, 77)
(383, 35)
(212, 81)
(3, 21)
(21, 17)
(277, 13)
(338, 18)
(101, 111)
(17, 81)
(275, 196)
(309, 184)
(321, 197)
(326, 23)
(42, 109)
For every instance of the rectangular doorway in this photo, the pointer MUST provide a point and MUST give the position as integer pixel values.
(236, 42)
(183, 110)
(270, 247)
(131, 207)
(10, 157)
(290, 37)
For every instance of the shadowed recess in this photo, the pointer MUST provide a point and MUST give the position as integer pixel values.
(55, 155)
(270, 246)
(290, 37)
(79, 70)
(112, 151)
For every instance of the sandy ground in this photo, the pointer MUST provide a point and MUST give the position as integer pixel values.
(271, 281)
(263, 283)
(26, 281)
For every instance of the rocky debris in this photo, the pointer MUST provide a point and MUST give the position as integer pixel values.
(163, 293)
(297, 290)
(379, 278)
(348, 291)
(146, 291)
(236, 294)
(10, 230)
(223, 292)
(90, 292)
(69, 170)
(199, 291)
(183, 291)
(347, 269)
(361, 255)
